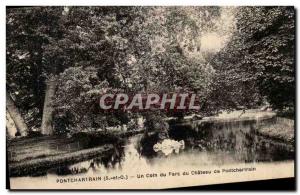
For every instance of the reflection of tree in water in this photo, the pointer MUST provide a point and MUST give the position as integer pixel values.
(66, 170)
(245, 145)
(109, 160)
(156, 130)
(112, 159)
(145, 146)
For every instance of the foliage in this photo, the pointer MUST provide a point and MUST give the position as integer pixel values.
(28, 32)
(93, 50)
(259, 60)
(76, 97)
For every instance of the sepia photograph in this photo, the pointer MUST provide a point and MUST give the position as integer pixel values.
(149, 97)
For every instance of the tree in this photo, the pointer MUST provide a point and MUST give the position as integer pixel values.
(71, 55)
(29, 31)
(134, 49)
(16, 116)
(11, 129)
(98, 39)
(77, 97)
(259, 60)
(174, 61)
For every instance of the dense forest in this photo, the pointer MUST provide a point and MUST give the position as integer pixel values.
(61, 59)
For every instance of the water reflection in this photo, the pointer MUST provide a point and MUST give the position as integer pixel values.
(98, 165)
(218, 149)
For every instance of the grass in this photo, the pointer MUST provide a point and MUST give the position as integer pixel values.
(41, 164)
(283, 129)
(30, 148)
(28, 156)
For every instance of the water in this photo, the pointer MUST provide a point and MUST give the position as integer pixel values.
(129, 157)
(129, 162)
(199, 147)
(132, 160)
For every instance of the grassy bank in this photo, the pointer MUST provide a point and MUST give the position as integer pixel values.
(28, 148)
(39, 165)
(35, 155)
(282, 130)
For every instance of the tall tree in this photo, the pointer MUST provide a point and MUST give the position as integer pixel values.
(16, 116)
(29, 31)
(259, 61)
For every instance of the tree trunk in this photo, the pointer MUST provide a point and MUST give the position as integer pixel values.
(16, 116)
(11, 128)
(47, 128)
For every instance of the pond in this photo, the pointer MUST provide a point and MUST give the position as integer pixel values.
(195, 146)
(193, 154)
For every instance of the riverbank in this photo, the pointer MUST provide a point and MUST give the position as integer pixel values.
(34, 155)
(282, 129)
(28, 156)
(37, 166)
(28, 148)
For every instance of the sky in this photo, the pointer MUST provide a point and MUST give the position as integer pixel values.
(217, 38)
